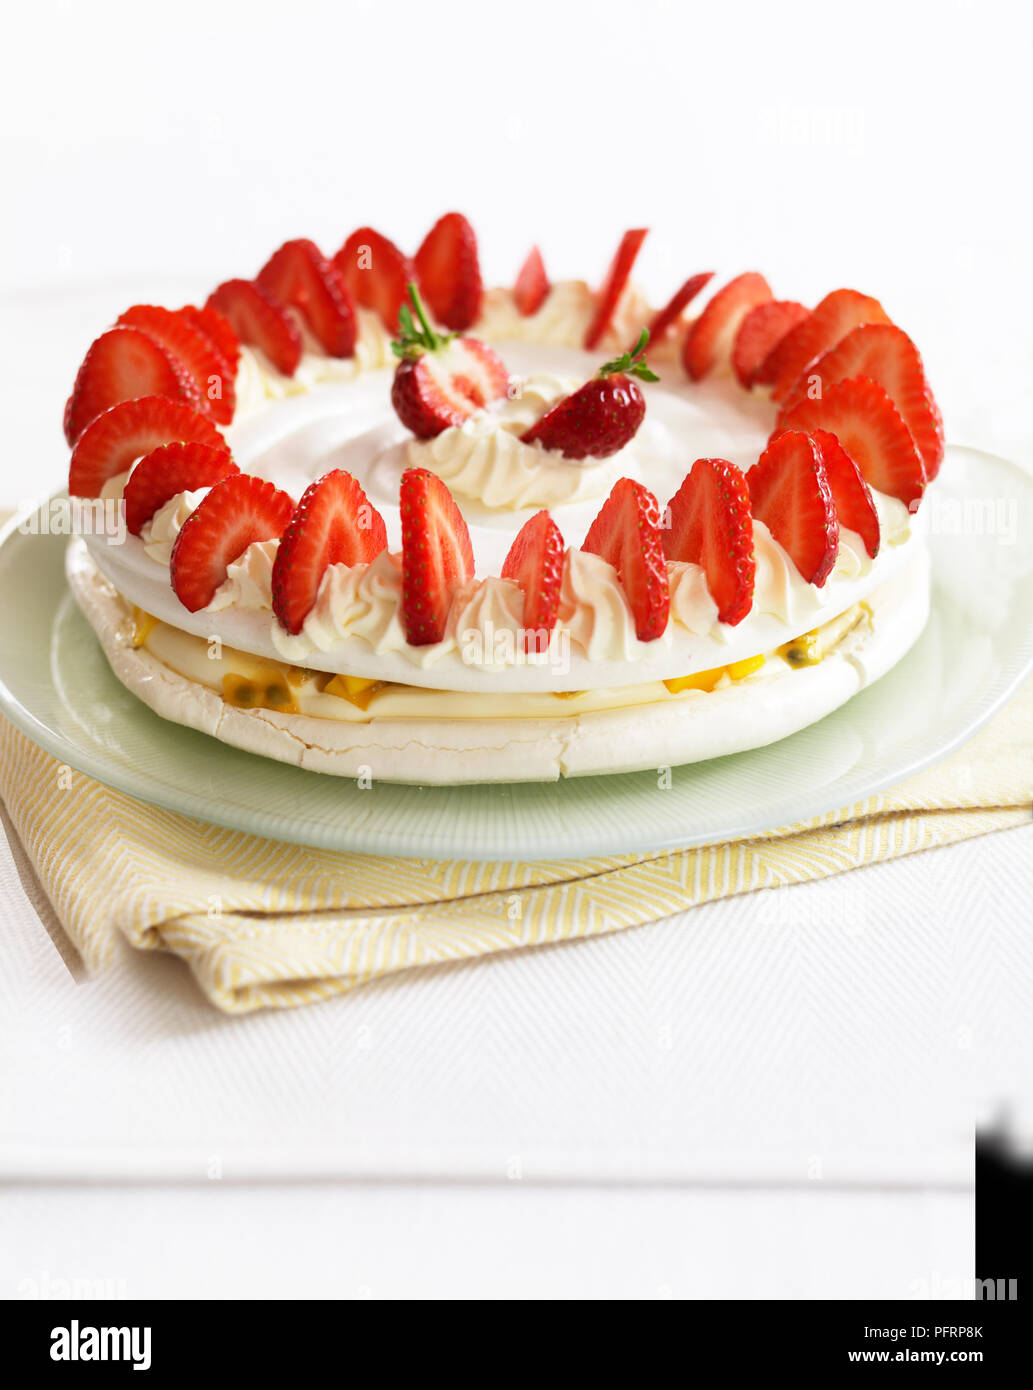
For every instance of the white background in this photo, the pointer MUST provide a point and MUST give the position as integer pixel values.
(882, 146)
(151, 151)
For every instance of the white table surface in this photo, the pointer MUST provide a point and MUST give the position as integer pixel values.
(769, 1096)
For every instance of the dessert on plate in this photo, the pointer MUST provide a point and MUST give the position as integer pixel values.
(384, 522)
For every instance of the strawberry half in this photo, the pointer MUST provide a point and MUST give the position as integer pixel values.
(535, 562)
(237, 512)
(299, 275)
(376, 273)
(259, 321)
(436, 555)
(613, 286)
(600, 417)
(532, 284)
(711, 337)
(627, 534)
(672, 311)
(441, 379)
(122, 365)
(209, 370)
(855, 506)
(830, 320)
(217, 329)
(886, 355)
(868, 425)
(126, 432)
(709, 524)
(760, 331)
(448, 272)
(790, 493)
(333, 524)
(168, 470)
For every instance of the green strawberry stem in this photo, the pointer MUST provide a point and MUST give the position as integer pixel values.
(413, 341)
(632, 363)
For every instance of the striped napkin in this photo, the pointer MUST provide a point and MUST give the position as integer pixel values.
(269, 925)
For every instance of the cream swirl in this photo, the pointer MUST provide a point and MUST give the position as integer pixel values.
(249, 579)
(691, 604)
(781, 590)
(159, 534)
(484, 623)
(352, 601)
(258, 381)
(485, 620)
(595, 610)
(485, 458)
(563, 317)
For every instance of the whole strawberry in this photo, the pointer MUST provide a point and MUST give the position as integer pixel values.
(600, 417)
(440, 380)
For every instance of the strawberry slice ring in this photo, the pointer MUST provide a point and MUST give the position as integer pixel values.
(424, 533)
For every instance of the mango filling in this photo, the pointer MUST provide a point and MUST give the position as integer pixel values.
(357, 690)
(707, 680)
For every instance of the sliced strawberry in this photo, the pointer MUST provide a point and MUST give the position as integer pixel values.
(790, 493)
(441, 379)
(627, 533)
(209, 370)
(217, 329)
(436, 555)
(830, 320)
(299, 275)
(535, 562)
(613, 286)
(333, 524)
(668, 316)
(237, 512)
(376, 273)
(168, 470)
(868, 425)
(439, 389)
(855, 506)
(710, 338)
(122, 365)
(532, 284)
(709, 524)
(761, 329)
(121, 435)
(259, 321)
(884, 354)
(449, 273)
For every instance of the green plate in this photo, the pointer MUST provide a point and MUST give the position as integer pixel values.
(56, 685)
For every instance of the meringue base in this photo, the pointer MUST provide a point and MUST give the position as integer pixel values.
(445, 749)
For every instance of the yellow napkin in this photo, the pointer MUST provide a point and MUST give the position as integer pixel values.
(263, 924)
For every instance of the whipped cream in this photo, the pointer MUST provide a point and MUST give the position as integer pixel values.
(258, 382)
(692, 608)
(159, 534)
(595, 610)
(485, 458)
(365, 601)
(563, 317)
(249, 580)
